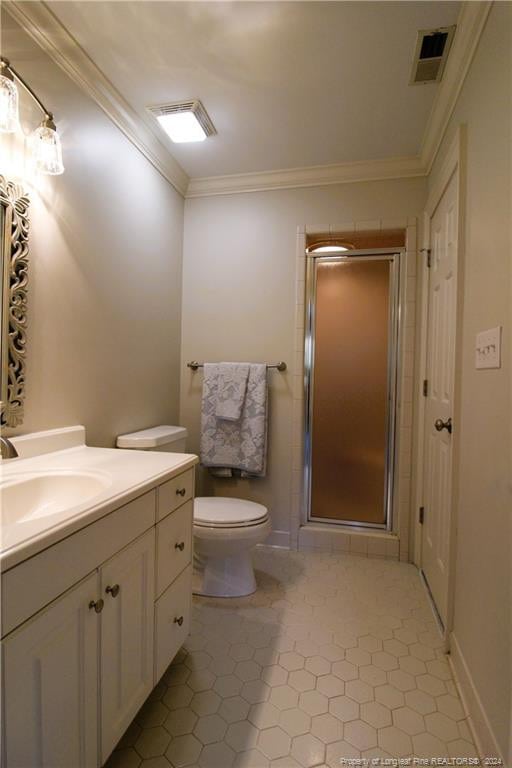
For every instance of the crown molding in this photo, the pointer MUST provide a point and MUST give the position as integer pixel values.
(470, 25)
(312, 176)
(39, 22)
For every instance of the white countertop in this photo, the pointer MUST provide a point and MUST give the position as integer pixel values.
(126, 474)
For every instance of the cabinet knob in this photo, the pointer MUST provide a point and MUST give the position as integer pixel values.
(181, 491)
(179, 620)
(180, 546)
(114, 591)
(97, 605)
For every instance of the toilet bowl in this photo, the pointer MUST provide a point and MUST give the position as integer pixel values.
(225, 529)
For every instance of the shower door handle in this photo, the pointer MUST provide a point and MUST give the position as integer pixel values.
(439, 424)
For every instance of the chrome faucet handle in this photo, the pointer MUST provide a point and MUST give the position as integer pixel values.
(7, 449)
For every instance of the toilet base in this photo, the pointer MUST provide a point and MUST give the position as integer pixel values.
(231, 576)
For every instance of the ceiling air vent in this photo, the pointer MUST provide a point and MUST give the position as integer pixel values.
(432, 48)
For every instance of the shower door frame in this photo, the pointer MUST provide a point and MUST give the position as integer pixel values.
(394, 256)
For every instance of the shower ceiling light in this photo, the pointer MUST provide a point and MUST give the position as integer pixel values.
(45, 141)
(329, 249)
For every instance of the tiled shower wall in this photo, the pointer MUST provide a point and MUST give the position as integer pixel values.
(322, 537)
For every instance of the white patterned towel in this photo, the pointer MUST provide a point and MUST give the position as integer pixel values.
(231, 388)
(235, 445)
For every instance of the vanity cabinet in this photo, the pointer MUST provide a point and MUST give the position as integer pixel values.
(76, 671)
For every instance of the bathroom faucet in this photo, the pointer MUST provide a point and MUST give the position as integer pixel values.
(7, 449)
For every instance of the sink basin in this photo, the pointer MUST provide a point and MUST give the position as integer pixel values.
(26, 498)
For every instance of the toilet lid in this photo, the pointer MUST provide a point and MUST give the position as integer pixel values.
(220, 511)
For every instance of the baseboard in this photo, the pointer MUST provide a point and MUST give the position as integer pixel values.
(482, 732)
(280, 539)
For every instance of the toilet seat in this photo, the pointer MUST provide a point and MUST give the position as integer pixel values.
(224, 512)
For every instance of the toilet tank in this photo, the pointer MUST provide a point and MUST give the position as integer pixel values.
(162, 438)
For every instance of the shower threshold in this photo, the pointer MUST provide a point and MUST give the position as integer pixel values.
(334, 537)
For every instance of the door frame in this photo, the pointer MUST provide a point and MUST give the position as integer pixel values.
(394, 256)
(452, 163)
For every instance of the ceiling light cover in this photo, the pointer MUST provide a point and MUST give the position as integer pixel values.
(329, 249)
(182, 127)
(184, 121)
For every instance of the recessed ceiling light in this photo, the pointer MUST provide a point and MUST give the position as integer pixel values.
(184, 121)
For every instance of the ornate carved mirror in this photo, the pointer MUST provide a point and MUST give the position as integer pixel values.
(13, 300)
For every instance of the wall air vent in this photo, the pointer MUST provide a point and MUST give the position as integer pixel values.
(184, 121)
(432, 49)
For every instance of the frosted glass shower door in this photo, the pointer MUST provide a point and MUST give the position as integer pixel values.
(351, 390)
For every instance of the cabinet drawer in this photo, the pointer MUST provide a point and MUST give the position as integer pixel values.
(172, 621)
(173, 493)
(173, 545)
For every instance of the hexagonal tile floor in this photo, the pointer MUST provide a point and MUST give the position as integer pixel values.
(335, 656)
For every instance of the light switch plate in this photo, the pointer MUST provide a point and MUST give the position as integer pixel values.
(488, 348)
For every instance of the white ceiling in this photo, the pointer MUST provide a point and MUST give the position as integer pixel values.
(287, 84)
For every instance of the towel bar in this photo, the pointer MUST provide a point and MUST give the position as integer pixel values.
(281, 365)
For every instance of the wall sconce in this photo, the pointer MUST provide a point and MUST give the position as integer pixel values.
(44, 142)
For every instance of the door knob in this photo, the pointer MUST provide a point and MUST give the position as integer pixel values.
(179, 621)
(97, 605)
(114, 591)
(439, 424)
(180, 546)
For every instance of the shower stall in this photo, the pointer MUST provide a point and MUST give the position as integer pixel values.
(351, 358)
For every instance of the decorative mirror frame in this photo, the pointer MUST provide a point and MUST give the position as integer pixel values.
(13, 301)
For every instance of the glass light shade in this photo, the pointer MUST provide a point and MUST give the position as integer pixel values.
(46, 151)
(9, 114)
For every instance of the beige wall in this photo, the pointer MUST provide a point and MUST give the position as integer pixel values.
(239, 282)
(105, 271)
(482, 597)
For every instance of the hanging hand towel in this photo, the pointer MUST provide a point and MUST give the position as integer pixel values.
(231, 388)
(236, 445)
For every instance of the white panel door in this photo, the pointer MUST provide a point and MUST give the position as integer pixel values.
(128, 589)
(50, 670)
(442, 298)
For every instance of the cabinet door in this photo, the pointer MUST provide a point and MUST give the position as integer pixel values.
(127, 587)
(172, 620)
(50, 672)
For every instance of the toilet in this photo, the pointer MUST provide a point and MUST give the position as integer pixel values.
(225, 529)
